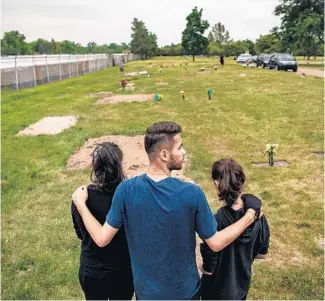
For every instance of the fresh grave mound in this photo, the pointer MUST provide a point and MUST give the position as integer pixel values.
(280, 163)
(203, 71)
(104, 94)
(49, 126)
(125, 98)
(135, 159)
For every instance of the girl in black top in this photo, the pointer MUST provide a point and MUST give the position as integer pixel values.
(104, 272)
(227, 274)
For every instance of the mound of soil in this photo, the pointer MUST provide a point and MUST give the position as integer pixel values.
(126, 98)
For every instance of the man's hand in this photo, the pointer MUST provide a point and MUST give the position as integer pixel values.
(252, 202)
(80, 196)
(203, 271)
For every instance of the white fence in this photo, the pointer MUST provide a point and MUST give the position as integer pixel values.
(18, 72)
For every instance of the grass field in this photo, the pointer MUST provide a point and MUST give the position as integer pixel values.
(313, 63)
(312, 66)
(40, 251)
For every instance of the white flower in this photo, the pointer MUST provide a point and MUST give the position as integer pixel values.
(271, 148)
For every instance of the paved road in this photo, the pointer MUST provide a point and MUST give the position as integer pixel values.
(313, 72)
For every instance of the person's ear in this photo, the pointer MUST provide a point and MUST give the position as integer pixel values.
(164, 155)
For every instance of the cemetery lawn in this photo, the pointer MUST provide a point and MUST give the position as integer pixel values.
(40, 251)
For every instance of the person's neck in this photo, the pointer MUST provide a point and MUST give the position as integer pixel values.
(239, 204)
(158, 172)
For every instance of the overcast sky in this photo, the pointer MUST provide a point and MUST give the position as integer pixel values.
(106, 21)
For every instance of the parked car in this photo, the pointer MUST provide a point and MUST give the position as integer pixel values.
(263, 60)
(283, 61)
(254, 59)
(243, 58)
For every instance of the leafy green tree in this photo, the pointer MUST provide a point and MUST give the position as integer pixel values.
(215, 49)
(67, 47)
(219, 34)
(79, 49)
(91, 46)
(250, 46)
(193, 40)
(55, 47)
(153, 46)
(302, 24)
(268, 44)
(172, 50)
(143, 42)
(13, 43)
(42, 46)
(234, 48)
(125, 46)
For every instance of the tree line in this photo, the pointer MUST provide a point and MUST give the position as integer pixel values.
(14, 43)
(301, 32)
(143, 42)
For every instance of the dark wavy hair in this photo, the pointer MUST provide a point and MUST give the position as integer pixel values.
(160, 133)
(231, 179)
(107, 171)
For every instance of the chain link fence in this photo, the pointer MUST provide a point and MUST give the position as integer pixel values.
(26, 71)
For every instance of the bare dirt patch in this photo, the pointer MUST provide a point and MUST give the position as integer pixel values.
(281, 163)
(135, 158)
(104, 94)
(204, 71)
(49, 126)
(125, 98)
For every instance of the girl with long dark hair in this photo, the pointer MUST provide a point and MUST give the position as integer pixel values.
(104, 273)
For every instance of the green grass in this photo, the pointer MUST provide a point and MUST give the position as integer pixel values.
(312, 66)
(313, 63)
(39, 248)
(317, 59)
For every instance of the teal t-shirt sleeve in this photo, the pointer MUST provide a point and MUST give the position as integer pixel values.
(206, 224)
(114, 216)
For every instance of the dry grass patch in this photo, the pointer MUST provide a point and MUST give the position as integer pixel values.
(49, 126)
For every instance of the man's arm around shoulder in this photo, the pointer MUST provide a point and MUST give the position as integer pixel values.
(223, 238)
(101, 234)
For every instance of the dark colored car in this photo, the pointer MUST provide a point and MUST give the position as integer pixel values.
(263, 60)
(283, 61)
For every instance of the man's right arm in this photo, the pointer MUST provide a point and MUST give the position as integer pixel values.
(223, 238)
(101, 234)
